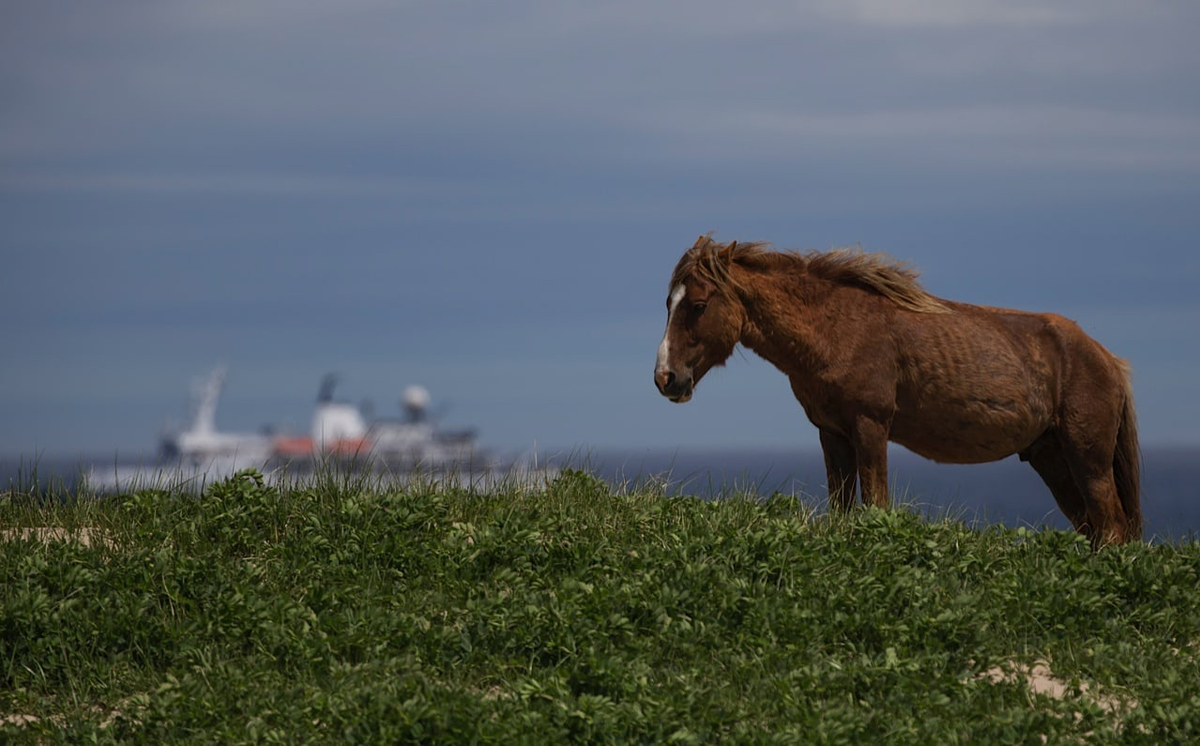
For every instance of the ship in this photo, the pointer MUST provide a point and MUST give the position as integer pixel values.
(339, 431)
(341, 436)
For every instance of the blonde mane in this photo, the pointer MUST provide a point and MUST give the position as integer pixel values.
(879, 273)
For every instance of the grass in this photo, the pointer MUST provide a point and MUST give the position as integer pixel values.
(347, 611)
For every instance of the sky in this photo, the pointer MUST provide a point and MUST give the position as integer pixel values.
(488, 199)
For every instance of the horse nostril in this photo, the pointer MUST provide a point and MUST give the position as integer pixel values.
(663, 379)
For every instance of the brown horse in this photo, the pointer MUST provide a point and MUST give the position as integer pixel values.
(873, 357)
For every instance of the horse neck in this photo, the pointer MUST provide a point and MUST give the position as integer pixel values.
(780, 309)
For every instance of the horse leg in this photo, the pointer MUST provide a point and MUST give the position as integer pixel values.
(1090, 411)
(870, 450)
(1105, 516)
(841, 470)
(1047, 459)
(1090, 461)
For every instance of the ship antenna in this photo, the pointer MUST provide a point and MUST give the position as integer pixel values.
(325, 395)
(206, 394)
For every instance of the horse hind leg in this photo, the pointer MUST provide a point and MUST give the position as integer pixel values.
(1080, 474)
(1091, 410)
(1095, 480)
(1048, 460)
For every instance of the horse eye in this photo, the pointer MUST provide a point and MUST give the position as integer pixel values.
(699, 308)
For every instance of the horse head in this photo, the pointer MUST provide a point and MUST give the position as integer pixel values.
(704, 319)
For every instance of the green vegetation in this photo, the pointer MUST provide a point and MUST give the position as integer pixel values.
(341, 611)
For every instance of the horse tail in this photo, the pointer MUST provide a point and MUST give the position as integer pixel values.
(1127, 458)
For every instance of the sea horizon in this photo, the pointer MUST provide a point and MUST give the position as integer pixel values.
(1004, 492)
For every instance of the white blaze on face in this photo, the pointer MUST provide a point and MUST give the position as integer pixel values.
(663, 349)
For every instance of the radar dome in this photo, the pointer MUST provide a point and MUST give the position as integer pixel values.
(416, 402)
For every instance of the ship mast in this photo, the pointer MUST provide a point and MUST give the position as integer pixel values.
(205, 394)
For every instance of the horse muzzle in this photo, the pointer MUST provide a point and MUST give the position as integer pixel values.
(676, 388)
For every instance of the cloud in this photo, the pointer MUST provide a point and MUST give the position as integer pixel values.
(950, 13)
(1037, 136)
(233, 183)
(591, 79)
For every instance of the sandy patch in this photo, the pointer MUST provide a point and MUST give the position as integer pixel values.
(85, 535)
(109, 717)
(1041, 680)
(19, 720)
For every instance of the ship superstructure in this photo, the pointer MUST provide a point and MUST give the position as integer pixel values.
(339, 430)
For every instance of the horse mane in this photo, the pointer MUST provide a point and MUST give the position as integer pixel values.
(878, 273)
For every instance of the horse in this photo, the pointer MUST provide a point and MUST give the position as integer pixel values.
(873, 357)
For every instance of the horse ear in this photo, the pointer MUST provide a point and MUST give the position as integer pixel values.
(726, 254)
(701, 242)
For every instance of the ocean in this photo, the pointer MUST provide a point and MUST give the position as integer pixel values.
(1006, 492)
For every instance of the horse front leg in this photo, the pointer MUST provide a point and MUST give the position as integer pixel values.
(870, 450)
(841, 470)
